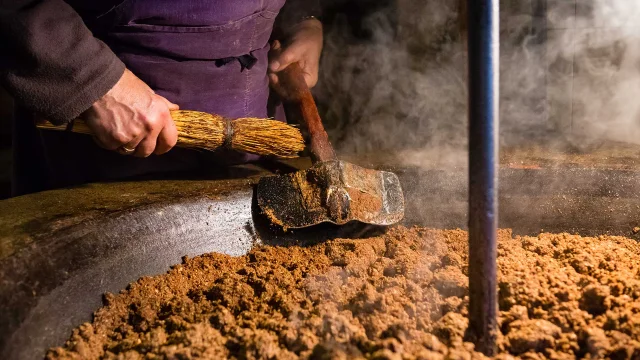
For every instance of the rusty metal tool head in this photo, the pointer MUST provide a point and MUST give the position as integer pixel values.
(331, 190)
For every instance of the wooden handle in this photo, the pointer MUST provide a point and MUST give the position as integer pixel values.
(206, 131)
(462, 20)
(299, 99)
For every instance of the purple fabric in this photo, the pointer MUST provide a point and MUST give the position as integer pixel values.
(172, 45)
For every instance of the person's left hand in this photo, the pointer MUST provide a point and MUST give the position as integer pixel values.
(304, 47)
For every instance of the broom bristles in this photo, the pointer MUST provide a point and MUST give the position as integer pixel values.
(206, 131)
(266, 137)
(199, 130)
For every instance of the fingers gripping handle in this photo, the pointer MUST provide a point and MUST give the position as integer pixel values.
(300, 99)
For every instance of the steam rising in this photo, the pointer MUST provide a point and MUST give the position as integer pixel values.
(403, 91)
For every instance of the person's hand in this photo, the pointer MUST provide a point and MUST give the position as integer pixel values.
(132, 119)
(304, 46)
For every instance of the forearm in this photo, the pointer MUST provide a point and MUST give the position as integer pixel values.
(50, 61)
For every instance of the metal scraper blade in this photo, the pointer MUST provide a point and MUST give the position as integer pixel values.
(333, 191)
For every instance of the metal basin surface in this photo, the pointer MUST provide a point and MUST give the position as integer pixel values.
(61, 250)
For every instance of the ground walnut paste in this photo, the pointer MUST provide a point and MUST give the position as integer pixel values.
(400, 295)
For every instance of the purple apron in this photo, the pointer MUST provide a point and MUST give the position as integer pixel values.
(200, 54)
(177, 48)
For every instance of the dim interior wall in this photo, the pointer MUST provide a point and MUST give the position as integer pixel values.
(6, 113)
(594, 73)
(568, 76)
(524, 74)
(404, 89)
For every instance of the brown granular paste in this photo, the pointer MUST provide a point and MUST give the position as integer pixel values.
(401, 295)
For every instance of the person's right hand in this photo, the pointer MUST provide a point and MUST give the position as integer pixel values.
(132, 119)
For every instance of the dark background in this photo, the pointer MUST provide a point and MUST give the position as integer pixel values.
(358, 24)
(355, 11)
(6, 108)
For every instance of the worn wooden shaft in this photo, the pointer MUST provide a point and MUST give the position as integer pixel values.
(462, 20)
(300, 101)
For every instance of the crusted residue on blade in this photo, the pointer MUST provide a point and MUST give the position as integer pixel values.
(310, 196)
(291, 200)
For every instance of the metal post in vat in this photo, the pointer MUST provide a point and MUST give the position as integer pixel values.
(483, 46)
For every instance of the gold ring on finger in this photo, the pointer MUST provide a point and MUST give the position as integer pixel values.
(125, 150)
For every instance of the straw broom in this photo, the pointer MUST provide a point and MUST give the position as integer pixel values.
(200, 130)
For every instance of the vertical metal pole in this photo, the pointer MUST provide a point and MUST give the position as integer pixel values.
(483, 45)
